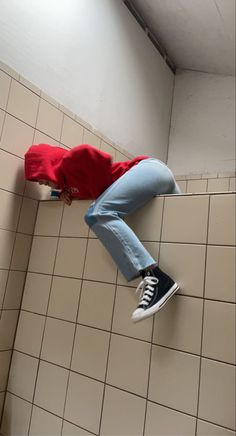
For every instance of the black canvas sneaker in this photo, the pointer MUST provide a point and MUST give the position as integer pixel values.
(155, 289)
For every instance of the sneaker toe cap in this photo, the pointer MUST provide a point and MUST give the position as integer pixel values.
(137, 315)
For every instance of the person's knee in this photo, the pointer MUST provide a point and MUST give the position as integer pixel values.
(90, 217)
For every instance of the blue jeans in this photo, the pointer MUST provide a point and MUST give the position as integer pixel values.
(105, 216)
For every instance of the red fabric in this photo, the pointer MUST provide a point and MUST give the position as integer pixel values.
(84, 170)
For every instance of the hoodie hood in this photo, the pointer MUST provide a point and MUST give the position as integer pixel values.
(43, 161)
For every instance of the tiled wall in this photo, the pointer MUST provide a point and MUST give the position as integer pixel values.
(218, 182)
(80, 367)
(27, 115)
(17, 216)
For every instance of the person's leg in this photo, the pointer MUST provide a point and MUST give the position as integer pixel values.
(106, 215)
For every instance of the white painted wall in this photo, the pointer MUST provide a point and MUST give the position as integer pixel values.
(92, 57)
(202, 136)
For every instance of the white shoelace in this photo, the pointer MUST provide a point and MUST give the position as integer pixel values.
(146, 290)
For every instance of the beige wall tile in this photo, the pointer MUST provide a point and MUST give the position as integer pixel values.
(185, 263)
(3, 284)
(72, 132)
(125, 304)
(84, 402)
(50, 99)
(2, 398)
(16, 416)
(5, 357)
(99, 265)
(196, 186)
(146, 222)
(17, 136)
(22, 375)
(218, 185)
(219, 331)
(28, 216)
(220, 273)
(179, 324)
(41, 138)
(73, 430)
(10, 210)
(174, 379)
(29, 85)
(96, 304)
(6, 246)
(182, 185)
(14, 290)
(162, 421)
(123, 373)
(9, 70)
(70, 257)
(58, 341)
(51, 385)
(2, 116)
(217, 393)
(120, 157)
(66, 111)
(207, 429)
(36, 293)
(21, 252)
(23, 103)
(8, 321)
(29, 333)
(193, 176)
(42, 255)
(227, 174)
(44, 423)
(232, 184)
(123, 414)
(48, 218)
(190, 223)
(49, 120)
(91, 345)
(11, 173)
(91, 138)
(73, 223)
(36, 191)
(5, 82)
(222, 220)
(108, 149)
(64, 298)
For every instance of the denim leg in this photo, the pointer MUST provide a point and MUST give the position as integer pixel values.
(105, 216)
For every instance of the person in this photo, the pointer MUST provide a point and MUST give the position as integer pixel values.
(117, 189)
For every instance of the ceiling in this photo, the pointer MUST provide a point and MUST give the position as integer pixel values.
(197, 34)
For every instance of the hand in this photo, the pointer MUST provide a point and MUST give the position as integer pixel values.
(65, 196)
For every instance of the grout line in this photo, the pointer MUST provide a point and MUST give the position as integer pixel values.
(123, 390)
(126, 337)
(203, 312)
(4, 110)
(109, 283)
(17, 322)
(75, 331)
(108, 354)
(171, 115)
(45, 320)
(153, 324)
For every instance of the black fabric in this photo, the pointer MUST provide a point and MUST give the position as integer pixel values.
(161, 288)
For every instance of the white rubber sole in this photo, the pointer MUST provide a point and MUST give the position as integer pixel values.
(140, 314)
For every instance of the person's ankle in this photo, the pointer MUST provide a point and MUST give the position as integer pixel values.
(149, 268)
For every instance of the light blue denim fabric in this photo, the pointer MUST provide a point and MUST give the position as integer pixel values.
(106, 214)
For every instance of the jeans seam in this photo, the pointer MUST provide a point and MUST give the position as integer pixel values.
(122, 241)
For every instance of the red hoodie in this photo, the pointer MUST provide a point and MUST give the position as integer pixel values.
(84, 171)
